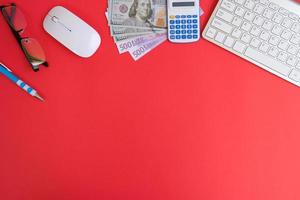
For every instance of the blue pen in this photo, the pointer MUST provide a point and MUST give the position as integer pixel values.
(8, 73)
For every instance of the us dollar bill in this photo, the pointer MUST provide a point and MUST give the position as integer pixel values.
(138, 13)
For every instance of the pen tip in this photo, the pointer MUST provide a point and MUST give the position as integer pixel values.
(39, 97)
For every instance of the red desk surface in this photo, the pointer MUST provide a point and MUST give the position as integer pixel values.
(186, 122)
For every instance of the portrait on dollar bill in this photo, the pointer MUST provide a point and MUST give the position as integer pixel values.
(139, 14)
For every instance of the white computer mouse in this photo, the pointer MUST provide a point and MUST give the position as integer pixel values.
(72, 32)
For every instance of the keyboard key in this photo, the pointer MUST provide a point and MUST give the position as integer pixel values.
(246, 38)
(239, 47)
(249, 4)
(229, 42)
(255, 43)
(277, 30)
(264, 47)
(237, 33)
(265, 2)
(295, 75)
(274, 6)
(268, 13)
(295, 39)
(226, 4)
(282, 56)
(237, 21)
(284, 11)
(295, 27)
(222, 25)
(293, 16)
(267, 61)
(259, 9)
(220, 37)
(277, 18)
(264, 35)
(246, 26)
(240, 11)
(255, 31)
(283, 45)
(286, 34)
(292, 60)
(273, 51)
(287, 23)
(293, 50)
(268, 25)
(274, 40)
(258, 20)
(241, 2)
(249, 16)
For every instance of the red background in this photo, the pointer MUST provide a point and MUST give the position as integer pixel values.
(186, 122)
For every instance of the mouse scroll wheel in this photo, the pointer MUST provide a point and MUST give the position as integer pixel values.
(55, 19)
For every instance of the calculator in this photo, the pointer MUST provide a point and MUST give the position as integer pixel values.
(183, 21)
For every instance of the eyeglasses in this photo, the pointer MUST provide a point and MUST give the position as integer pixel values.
(31, 47)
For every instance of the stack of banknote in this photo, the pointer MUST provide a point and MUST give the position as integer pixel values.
(137, 26)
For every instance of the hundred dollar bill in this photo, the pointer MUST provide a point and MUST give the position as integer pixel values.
(138, 13)
(122, 37)
(139, 51)
(126, 45)
(116, 30)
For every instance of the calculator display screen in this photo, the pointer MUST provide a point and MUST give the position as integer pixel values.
(183, 4)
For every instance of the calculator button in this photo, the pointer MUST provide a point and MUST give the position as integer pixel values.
(172, 22)
(172, 17)
(177, 16)
(183, 21)
(195, 31)
(195, 21)
(195, 16)
(172, 37)
(183, 32)
(189, 16)
(195, 36)
(177, 32)
(177, 21)
(189, 36)
(195, 26)
(178, 37)
(183, 36)
(189, 26)
(172, 26)
(183, 26)
(177, 26)
(189, 31)
(172, 32)
(189, 21)
(183, 16)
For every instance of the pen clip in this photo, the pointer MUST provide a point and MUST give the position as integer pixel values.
(5, 67)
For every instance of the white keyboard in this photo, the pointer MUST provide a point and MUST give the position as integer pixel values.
(264, 32)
